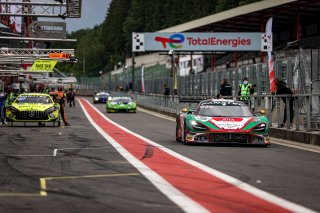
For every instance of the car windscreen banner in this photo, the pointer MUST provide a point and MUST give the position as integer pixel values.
(236, 41)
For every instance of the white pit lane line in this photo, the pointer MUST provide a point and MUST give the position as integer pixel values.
(282, 142)
(175, 195)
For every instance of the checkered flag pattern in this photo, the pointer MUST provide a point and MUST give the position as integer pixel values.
(266, 43)
(137, 42)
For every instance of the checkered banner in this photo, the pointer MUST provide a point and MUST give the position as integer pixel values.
(236, 41)
(266, 43)
(138, 42)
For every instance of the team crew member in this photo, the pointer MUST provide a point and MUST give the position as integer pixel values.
(60, 97)
(225, 88)
(245, 90)
(2, 102)
(283, 89)
(71, 97)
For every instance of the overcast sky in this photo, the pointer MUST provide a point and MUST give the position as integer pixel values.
(93, 13)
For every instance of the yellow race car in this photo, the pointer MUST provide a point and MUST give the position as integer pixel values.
(33, 107)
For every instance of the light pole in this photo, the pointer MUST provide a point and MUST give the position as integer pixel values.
(173, 73)
(125, 70)
(101, 76)
(84, 61)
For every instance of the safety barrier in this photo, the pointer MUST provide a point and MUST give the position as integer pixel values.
(305, 115)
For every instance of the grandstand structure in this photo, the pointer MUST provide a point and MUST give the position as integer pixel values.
(296, 39)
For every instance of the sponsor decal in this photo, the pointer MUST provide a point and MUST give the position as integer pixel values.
(173, 39)
(215, 41)
(201, 118)
(229, 123)
(197, 41)
(178, 38)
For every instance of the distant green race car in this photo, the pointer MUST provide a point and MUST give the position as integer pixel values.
(33, 107)
(121, 104)
(219, 121)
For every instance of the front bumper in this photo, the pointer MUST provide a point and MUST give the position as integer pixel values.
(32, 116)
(228, 138)
(120, 109)
(100, 101)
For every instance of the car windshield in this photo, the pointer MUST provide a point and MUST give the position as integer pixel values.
(224, 111)
(33, 99)
(122, 100)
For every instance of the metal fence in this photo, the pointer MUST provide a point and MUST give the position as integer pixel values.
(298, 72)
(305, 117)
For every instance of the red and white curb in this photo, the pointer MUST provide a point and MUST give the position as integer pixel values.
(192, 186)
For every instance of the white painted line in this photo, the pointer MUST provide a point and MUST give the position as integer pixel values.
(55, 151)
(176, 196)
(306, 147)
(296, 145)
(108, 147)
(237, 183)
(157, 114)
(27, 155)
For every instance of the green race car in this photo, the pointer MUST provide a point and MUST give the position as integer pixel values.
(121, 104)
(33, 107)
(221, 122)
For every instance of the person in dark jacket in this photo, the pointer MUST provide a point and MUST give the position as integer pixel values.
(225, 88)
(166, 90)
(283, 89)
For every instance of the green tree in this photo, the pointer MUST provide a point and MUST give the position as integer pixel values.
(223, 5)
(107, 44)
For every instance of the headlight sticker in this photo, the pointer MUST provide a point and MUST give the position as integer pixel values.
(201, 118)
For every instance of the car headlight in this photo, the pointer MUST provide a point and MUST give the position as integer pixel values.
(96, 98)
(197, 126)
(260, 128)
(51, 109)
(13, 110)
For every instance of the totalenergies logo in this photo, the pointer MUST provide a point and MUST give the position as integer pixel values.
(172, 40)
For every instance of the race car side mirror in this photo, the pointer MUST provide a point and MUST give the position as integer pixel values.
(262, 112)
(185, 110)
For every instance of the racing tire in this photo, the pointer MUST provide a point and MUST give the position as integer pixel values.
(177, 129)
(185, 134)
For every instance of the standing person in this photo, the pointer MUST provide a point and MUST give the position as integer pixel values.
(60, 97)
(225, 89)
(245, 90)
(72, 95)
(9, 96)
(166, 90)
(2, 102)
(283, 89)
(68, 96)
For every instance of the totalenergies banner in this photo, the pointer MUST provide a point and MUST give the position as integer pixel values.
(236, 41)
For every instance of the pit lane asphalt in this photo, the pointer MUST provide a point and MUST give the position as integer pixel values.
(289, 173)
(89, 175)
(26, 155)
